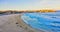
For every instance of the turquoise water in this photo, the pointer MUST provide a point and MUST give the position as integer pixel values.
(45, 21)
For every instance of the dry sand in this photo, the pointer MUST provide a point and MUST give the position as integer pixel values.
(8, 24)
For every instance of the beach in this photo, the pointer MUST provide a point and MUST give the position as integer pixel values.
(8, 23)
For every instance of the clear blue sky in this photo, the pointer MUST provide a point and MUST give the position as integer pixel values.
(29, 4)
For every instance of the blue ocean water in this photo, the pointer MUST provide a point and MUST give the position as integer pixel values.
(45, 21)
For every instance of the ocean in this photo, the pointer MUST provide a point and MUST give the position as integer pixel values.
(49, 21)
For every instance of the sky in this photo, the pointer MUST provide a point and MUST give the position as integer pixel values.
(29, 4)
